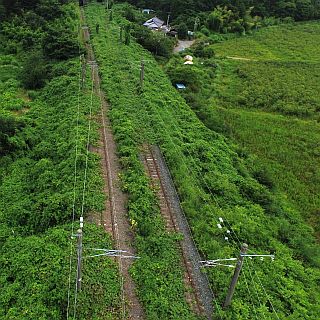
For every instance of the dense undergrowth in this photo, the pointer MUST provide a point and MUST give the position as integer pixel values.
(213, 181)
(40, 130)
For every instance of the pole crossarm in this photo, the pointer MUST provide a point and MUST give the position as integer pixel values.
(112, 253)
(215, 263)
(258, 255)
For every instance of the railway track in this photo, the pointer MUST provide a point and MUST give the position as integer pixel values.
(155, 172)
(114, 218)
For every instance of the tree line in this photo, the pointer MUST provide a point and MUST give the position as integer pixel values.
(297, 9)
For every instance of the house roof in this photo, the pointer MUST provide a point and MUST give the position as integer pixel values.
(153, 23)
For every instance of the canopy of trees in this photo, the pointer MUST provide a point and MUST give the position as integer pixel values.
(298, 9)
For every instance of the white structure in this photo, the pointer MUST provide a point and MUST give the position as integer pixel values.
(154, 23)
(147, 11)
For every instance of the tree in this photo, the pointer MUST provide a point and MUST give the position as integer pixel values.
(34, 71)
(60, 42)
(9, 126)
(286, 9)
(182, 30)
(304, 10)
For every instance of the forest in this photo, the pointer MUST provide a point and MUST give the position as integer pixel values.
(297, 9)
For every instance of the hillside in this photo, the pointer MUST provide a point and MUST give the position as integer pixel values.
(214, 179)
(243, 157)
(43, 142)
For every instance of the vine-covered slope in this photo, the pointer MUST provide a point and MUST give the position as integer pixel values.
(214, 181)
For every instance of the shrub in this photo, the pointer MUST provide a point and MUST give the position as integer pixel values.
(34, 72)
(60, 42)
(182, 30)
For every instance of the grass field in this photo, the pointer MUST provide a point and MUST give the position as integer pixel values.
(270, 106)
(289, 88)
(298, 42)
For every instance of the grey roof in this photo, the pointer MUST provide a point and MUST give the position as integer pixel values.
(154, 23)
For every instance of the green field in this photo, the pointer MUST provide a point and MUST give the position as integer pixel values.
(289, 88)
(298, 42)
(271, 108)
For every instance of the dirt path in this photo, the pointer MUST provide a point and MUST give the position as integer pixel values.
(182, 45)
(240, 58)
(114, 218)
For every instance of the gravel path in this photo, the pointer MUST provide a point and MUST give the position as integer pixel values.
(191, 253)
(182, 45)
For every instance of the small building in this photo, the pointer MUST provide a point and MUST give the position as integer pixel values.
(147, 11)
(154, 23)
(188, 58)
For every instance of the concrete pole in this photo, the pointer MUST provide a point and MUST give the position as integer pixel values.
(236, 274)
(142, 74)
(79, 264)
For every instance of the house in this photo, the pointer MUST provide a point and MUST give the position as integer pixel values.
(154, 23)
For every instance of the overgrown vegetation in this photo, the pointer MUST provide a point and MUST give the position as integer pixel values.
(214, 179)
(158, 273)
(39, 131)
(235, 15)
(249, 94)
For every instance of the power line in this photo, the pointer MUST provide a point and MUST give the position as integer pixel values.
(74, 185)
(77, 287)
(191, 170)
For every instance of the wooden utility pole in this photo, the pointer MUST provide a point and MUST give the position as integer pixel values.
(142, 75)
(236, 274)
(79, 264)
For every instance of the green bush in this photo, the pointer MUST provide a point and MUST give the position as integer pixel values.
(60, 42)
(34, 71)
(182, 30)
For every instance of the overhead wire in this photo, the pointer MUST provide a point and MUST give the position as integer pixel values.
(113, 207)
(114, 213)
(75, 176)
(85, 173)
(243, 267)
(209, 189)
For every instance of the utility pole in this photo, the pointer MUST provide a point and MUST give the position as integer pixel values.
(142, 75)
(196, 24)
(223, 262)
(79, 264)
(236, 274)
(83, 70)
